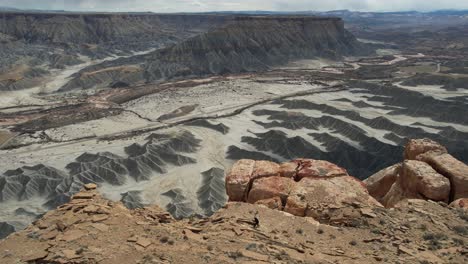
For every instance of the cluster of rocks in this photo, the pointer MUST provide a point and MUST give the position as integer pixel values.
(302, 187)
(326, 192)
(427, 172)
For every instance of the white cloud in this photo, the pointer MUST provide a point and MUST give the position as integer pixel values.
(236, 5)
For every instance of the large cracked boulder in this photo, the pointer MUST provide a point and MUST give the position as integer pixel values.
(240, 178)
(455, 170)
(303, 187)
(270, 187)
(417, 180)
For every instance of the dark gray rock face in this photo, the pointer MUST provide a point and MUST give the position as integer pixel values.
(5, 230)
(28, 182)
(179, 206)
(221, 128)
(212, 192)
(245, 44)
(132, 199)
(119, 29)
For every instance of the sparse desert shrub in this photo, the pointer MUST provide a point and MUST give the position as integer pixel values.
(164, 239)
(251, 246)
(463, 214)
(461, 230)
(235, 255)
(434, 240)
(458, 241)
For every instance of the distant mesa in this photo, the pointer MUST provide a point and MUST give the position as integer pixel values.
(243, 44)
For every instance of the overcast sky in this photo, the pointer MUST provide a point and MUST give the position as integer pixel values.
(236, 5)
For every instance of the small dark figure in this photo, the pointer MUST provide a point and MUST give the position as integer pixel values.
(256, 221)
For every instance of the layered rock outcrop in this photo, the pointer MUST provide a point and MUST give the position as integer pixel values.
(244, 44)
(302, 187)
(428, 172)
(82, 28)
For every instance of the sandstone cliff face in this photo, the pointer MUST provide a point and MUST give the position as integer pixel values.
(244, 44)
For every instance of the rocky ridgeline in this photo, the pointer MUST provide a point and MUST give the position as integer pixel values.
(326, 192)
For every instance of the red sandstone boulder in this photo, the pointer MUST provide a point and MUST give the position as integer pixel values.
(326, 199)
(270, 187)
(242, 174)
(380, 183)
(272, 203)
(417, 180)
(290, 169)
(302, 168)
(265, 168)
(415, 147)
(460, 203)
(237, 181)
(318, 168)
(455, 170)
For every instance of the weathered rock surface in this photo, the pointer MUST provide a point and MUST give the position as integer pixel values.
(318, 168)
(303, 187)
(380, 183)
(415, 147)
(270, 187)
(325, 199)
(455, 170)
(428, 172)
(238, 179)
(460, 203)
(417, 180)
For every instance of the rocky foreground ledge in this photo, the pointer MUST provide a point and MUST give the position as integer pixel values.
(304, 211)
